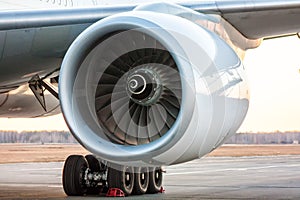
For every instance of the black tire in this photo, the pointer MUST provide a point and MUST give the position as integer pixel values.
(121, 177)
(94, 166)
(155, 180)
(73, 175)
(141, 180)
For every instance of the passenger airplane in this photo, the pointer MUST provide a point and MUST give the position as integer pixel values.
(139, 85)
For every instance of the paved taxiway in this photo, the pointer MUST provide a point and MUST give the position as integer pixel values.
(270, 177)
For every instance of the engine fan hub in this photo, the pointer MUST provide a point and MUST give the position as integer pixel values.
(144, 86)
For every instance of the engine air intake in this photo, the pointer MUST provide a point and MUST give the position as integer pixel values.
(138, 95)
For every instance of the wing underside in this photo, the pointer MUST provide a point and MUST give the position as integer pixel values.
(259, 19)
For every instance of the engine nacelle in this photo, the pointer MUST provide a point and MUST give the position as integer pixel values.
(144, 88)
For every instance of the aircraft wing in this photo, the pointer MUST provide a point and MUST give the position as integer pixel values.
(254, 19)
(261, 18)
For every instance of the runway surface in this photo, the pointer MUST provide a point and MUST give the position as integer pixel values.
(267, 177)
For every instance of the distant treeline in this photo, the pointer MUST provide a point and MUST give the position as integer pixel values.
(42, 137)
(265, 138)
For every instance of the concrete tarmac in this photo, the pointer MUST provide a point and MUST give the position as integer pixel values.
(268, 177)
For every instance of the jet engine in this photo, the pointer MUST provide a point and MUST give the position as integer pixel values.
(143, 88)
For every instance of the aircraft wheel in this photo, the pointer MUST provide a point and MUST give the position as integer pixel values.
(121, 177)
(73, 175)
(155, 180)
(141, 180)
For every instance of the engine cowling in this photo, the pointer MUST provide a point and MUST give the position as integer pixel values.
(144, 88)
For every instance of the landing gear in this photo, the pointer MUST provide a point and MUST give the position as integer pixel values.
(83, 176)
(89, 176)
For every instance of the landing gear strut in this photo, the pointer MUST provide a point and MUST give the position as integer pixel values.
(89, 176)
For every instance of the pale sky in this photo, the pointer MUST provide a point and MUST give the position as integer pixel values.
(274, 81)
